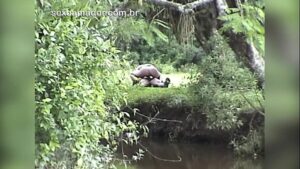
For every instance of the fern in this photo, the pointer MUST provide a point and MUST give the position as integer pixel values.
(159, 34)
(130, 29)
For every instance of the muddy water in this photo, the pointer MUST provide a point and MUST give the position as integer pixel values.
(163, 155)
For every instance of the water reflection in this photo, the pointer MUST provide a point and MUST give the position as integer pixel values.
(194, 156)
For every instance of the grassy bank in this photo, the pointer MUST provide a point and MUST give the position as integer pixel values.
(141, 95)
(137, 95)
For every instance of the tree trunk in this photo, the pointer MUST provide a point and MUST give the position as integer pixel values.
(244, 50)
(247, 52)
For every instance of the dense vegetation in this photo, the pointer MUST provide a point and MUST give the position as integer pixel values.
(224, 87)
(82, 65)
(78, 93)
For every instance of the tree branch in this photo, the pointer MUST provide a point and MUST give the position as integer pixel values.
(243, 48)
(221, 6)
(158, 158)
(182, 8)
(154, 119)
(198, 3)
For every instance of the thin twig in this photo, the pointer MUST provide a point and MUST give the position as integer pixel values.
(251, 121)
(158, 158)
(122, 146)
(153, 118)
(157, 15)
(261, 105)
(123, 160)
(249, 102)
(158, 119)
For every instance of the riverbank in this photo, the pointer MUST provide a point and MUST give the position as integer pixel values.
(175, 115)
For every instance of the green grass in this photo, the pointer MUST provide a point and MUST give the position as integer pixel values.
(177, 78)
(182, 96)
(138, 95)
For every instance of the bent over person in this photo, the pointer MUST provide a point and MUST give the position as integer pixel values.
(148, 75)
(144, 74)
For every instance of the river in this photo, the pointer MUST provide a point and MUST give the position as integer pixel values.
(164, 155)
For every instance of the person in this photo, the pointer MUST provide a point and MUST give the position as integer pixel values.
(148, 75)
(145, 71)
(159, 83)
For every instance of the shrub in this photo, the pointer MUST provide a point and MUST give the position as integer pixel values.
(222, 86)
(78, 92)
(169, 54)
(249, 145)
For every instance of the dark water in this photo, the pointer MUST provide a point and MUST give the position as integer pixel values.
(193, 156)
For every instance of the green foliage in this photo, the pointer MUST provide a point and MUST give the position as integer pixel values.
(241, 163)
(222, 85)
(146, 42)
(248, 19)
(80, 84)
(78, 92)
(250, 145)
(165, 68)
(164, 54)
(121, 166)
(131, 30)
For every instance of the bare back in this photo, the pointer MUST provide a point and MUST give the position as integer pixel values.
(146, 70)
